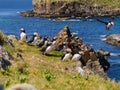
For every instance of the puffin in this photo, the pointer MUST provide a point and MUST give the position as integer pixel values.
(108, 23)
(76, 57)
(66, 56)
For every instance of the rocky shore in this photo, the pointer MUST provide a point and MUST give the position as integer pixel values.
(113, 39)
(72, 9)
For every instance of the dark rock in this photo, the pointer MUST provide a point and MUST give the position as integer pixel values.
(103, 52)
(94, 67)
(5, 58)
(94, 63)
(1, 86)
(29, 13)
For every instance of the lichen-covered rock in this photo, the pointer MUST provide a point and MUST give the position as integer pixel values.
(12, 38)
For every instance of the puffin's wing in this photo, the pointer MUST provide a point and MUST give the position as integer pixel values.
(101, 21)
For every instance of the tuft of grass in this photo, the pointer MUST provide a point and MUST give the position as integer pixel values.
(55, 53)
(22, 68)
(23, 79)
(48, 75)
(7, 82)
(3, 37)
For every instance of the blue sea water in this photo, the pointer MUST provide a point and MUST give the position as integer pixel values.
(91, 31)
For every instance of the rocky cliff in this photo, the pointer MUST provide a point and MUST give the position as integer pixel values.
(71, 8)
(5, 56)
(93, 62)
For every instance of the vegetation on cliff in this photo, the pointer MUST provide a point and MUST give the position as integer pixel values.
(47, 73)
(112, 3)
(73, 8)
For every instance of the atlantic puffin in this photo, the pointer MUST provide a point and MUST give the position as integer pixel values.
(108, 24)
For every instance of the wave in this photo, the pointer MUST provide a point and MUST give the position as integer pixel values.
(103, 36)
(8, 13)
(74, 33)
(103, 39)
(62, 19)
(74, 20)
(114, 54)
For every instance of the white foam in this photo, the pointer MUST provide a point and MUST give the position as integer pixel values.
(103, 39)
(114, 54)
(102, 36)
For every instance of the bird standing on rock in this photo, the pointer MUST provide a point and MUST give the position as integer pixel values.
(66, 56)
(76, 57)
(108, 24)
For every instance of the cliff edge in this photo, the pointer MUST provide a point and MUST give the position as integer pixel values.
(72, 8)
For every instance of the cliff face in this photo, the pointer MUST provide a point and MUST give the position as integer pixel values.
(70, 8)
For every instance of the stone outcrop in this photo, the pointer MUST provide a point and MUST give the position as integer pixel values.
(66, 37)
(60, 8)
(113, 39)
(5, 56)
(92, 62)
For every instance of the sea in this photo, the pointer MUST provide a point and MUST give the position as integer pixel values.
(89, 29)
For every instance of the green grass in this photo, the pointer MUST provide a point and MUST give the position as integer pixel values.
(49, 72)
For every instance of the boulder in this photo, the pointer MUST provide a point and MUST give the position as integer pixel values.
(103, 52)
(23, 86)
(95, 68)
(94, 64)
(113, 39)
(66, 37)
(12, 38)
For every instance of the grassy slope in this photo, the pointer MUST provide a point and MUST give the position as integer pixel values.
(49, 73)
